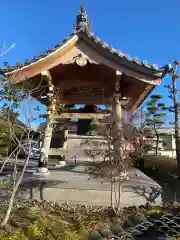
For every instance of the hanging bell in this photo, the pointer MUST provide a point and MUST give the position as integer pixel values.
(50, 94)
(51, 87)
(42, 97)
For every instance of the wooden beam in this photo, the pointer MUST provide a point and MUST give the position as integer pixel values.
(47, 76)
(142, 97)
(92, 101)
(117, 93)
(82, 115)
(118, 79)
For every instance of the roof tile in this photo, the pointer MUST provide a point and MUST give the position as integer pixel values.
(27, 62)
(135, 60)
(96, 40)
(145, 63)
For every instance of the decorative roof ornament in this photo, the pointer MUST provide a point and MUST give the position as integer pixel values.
(81, 60)
(82, 19)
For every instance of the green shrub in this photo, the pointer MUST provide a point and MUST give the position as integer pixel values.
(17, 235)
(34, 230)
(161, 167)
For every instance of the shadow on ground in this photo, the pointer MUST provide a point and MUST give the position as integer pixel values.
(28, 188)
(31, 184)
(170, 189)
(150, 193)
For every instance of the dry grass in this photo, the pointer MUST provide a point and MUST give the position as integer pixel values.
(50, 221)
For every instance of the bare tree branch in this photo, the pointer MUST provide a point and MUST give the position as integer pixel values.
(5, 49)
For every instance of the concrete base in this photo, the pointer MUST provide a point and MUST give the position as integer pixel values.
(74, 186)
(42, 171)
(80, 195)
(61, 164)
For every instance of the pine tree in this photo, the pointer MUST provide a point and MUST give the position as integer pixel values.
(155, 118)
(9, 122)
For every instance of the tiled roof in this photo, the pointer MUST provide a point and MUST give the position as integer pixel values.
(82, 27)
(154, 227)
(40, 56)
(115, 51)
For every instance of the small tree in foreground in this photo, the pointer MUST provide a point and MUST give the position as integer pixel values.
(155, 119)
(13, 96)
(101, 150)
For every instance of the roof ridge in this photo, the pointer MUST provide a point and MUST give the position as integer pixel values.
(116, 51)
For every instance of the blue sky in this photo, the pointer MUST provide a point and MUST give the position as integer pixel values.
(147, 29)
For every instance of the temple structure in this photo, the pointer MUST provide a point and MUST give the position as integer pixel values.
(83, 69)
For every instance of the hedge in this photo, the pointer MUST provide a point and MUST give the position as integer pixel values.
(158, 167)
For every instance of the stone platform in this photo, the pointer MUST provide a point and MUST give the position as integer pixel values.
(72, 184)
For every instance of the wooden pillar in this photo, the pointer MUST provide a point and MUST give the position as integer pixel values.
(43, 162)
(65, 122)
(65, 136)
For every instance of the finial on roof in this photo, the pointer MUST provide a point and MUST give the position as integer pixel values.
(82, 9)
(82, 20)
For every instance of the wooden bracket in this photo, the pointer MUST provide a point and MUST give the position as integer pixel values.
(47, 76)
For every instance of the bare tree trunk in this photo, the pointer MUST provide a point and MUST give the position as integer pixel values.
(14, 190)
(157, 145)
(117, 128)
(117, 134)
(176, 115)
(110, 156)
(12, 98)
(157, 139)
(7, 159)
(119, 196)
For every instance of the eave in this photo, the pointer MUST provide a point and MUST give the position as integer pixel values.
(89, 37)
(117, 56)
(148, 74)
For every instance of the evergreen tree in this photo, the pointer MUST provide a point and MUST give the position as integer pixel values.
(9, 124)
(155, 118)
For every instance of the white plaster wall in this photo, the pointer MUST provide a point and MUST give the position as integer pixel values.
(74, 147)
(170, 153)
(169, 148)
(168, 141)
